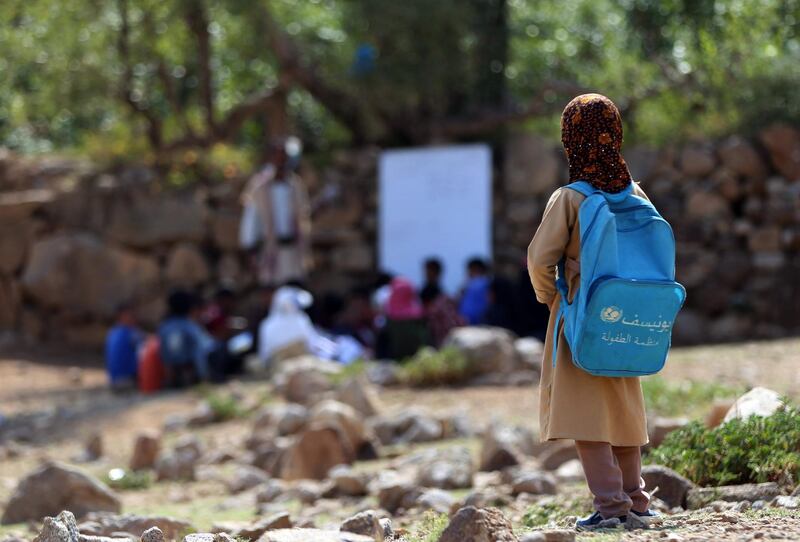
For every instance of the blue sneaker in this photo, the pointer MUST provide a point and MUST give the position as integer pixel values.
(596, 521)
(649, 513)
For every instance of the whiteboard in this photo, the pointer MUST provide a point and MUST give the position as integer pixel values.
(435, 201)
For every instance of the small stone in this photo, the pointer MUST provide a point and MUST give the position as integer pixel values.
(558, 454)
(153, 534)
(437, 500)
(94, 447)
(728, 518)
(366, 523)
(742, 506)
(145, 450)
(784, 501)
(672, 487)
(347, 481)
(473, 524)
(635, 522)
(534, 483)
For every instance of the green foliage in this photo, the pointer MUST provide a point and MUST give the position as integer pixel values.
(128, 480)
(679, 68)
(554, 512)
(348, 372)
(430, 528)
(430, 367)
(668, 398)
(756, 450)
(224, 406)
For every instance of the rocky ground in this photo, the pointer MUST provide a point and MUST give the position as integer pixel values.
(258, 455)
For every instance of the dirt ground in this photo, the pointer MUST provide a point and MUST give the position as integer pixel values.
(55, 402)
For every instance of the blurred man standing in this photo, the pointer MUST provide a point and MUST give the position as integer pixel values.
(276, 223)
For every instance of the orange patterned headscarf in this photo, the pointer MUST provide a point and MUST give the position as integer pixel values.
(591, 131)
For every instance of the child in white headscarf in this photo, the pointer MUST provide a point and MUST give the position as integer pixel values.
(287, 323)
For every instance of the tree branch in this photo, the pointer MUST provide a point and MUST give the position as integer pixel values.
(126, 90)
(229, 125)
(489, 120)
(346, 107)
(197, 21)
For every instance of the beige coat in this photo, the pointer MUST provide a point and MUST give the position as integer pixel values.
(572, 403)
(276, 263)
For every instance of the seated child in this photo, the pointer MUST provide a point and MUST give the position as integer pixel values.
(122, 344)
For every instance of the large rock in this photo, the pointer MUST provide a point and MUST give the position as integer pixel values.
(186, 266)
(315, 452)
(155, 220)
(479, 525)
(106, 524)
(15, 240)
(348, 482)
(701, 206)
(741, 158)
(672, 487)
(80, 274)
(312, 535)
(756, 402)
(18, 206)
(702, 496)
(305, 379)
(531, 165)
(697, 161)
(285, 418)
(413, 425)
(246, 477)
(488, 349)
(395, 491)
(55, 487)
(361, 395)
(62, 528)
(557, 454)
(501, 447)
(225, 230)
(9, 304)
(529, 352)
(447, 469)
(338, 415)
(145, 450)
(783, 144)
(181, 463)
(534, 483)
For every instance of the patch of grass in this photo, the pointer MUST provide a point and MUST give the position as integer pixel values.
(430, 528)
(224, 406)
(430, 367)
(201, 512)
(348, 372)
(128, 480)
(686, 398)
(554, 512)
(755, 450)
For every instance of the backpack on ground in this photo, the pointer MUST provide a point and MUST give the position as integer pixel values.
(620, 321)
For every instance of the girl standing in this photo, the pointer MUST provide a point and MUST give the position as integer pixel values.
(604, 415)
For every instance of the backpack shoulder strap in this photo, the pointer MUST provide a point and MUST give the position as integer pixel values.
(583, 187)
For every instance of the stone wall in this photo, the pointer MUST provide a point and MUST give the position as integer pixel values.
(76, 242)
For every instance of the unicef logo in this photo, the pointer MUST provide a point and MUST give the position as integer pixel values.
(611, 314)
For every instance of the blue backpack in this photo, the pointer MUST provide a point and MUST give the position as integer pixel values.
(620, 322)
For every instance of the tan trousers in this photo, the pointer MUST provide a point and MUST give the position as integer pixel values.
(614, 476)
